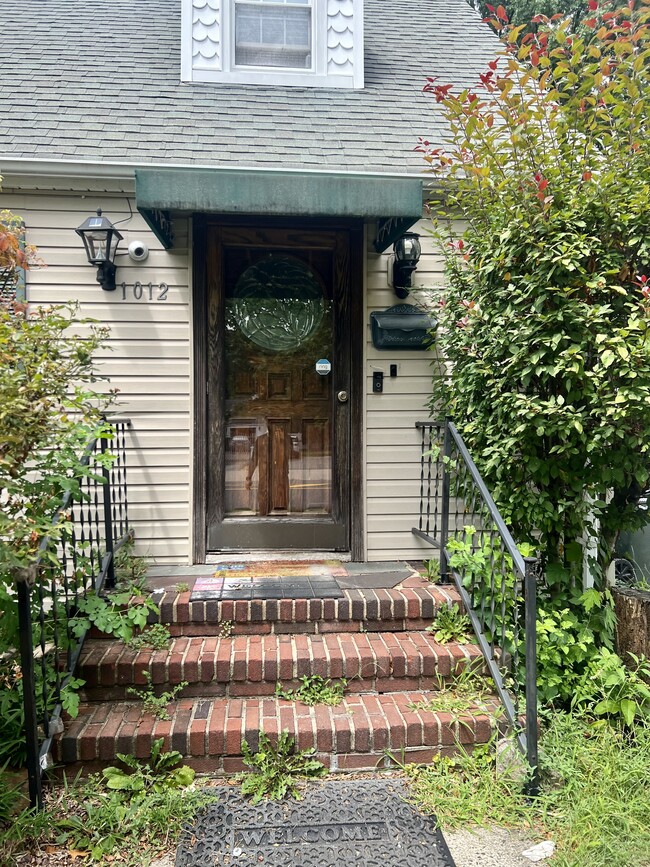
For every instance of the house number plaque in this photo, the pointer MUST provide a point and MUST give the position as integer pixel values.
(144, 291)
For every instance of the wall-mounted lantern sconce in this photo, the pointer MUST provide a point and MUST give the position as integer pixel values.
(100, 239)
(407, 255)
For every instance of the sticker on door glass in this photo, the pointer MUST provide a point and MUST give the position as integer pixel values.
(323, 366)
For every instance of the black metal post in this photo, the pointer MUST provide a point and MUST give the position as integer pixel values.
(530, 597)
(444, 512)
(108, 520)
(29, 694)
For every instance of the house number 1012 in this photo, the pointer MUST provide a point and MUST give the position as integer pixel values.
(146, 291)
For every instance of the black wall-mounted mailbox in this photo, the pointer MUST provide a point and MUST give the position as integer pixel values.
(403, 326)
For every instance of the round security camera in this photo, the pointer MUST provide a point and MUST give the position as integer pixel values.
(138, 251)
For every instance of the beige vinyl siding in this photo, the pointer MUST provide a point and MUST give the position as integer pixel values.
(392, 443)
(148, 354)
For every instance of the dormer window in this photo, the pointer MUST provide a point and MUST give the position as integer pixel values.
(277, 34)
(301, 43)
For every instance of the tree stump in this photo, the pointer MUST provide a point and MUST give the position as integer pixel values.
(632, 621)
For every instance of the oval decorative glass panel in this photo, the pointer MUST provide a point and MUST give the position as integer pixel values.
(278, 303)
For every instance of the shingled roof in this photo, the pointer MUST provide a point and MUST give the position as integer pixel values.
(101, 81)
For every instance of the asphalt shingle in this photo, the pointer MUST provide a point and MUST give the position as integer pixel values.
(103, 79)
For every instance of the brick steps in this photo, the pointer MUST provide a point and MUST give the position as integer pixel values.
(411, 606)
(251, 665)
(233, 653)
(355, 735)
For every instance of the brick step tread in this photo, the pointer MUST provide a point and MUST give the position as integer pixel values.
(412, 605)
(214, 728)
(253, 664)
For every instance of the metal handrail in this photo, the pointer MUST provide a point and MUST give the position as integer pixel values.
(439, 473)
(87, 530)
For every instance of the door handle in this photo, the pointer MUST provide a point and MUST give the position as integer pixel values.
(342, 397)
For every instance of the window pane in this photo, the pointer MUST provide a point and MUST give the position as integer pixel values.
(278, 35)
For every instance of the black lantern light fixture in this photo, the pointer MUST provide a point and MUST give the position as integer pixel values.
(100, 239)
(407, 255)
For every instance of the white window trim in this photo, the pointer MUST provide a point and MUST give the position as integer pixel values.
(274, 76)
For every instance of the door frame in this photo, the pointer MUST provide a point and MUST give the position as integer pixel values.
(200, 351)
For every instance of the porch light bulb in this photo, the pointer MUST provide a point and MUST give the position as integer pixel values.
(407, 248)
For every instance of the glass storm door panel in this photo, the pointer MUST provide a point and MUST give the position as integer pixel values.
(281, 476)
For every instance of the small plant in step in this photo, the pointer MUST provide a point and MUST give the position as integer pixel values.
(469, 692)
(152, 703)
(432, 570)
(314, 689)
(182, 587)
(116, 614)
(450, 624)
(226, 628)
(130, 568)
(275, 770)
(156, 637)
(160, 773)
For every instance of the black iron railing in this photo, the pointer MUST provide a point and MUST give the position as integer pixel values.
(497, 584)
(89, 527)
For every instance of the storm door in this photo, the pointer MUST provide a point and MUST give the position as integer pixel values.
(278, 389)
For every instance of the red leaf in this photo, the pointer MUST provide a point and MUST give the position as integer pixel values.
(593, 5)
(586, 176)
(502, 15)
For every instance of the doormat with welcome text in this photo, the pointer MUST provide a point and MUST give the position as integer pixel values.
(358, 823)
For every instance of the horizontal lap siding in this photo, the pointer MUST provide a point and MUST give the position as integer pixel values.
(147, 357)
(392, 443)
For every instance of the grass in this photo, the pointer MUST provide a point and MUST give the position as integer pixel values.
(594, 803)
(100, 826)
(468, 691)
(313, 690)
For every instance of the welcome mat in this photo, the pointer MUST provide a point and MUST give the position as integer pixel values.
(272, 579)
(358, 823)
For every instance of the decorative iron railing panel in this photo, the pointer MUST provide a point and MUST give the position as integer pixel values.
(497, 584)
(89, 527)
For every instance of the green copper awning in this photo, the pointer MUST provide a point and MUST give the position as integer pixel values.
(395, 202)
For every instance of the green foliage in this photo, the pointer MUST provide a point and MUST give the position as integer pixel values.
(115, 613)
(157, 636)
(10, 796)
(468, 692)
(48, 413)
(226, 628)
(594, 801)
(432, 570)
(152, 703)
(276, 770)
(313, 690)
(130, 568)
(466, 789)
(12, 716)
(450, 624)
(522, 11)
(107, 826)
(611, 692)
(182, 587)
(159, 774)
(546, 320)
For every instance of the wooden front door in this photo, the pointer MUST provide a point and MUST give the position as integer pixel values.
(278, 389)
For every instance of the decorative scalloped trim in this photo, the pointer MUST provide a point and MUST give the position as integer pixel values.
(340, 37)
(206, 33)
